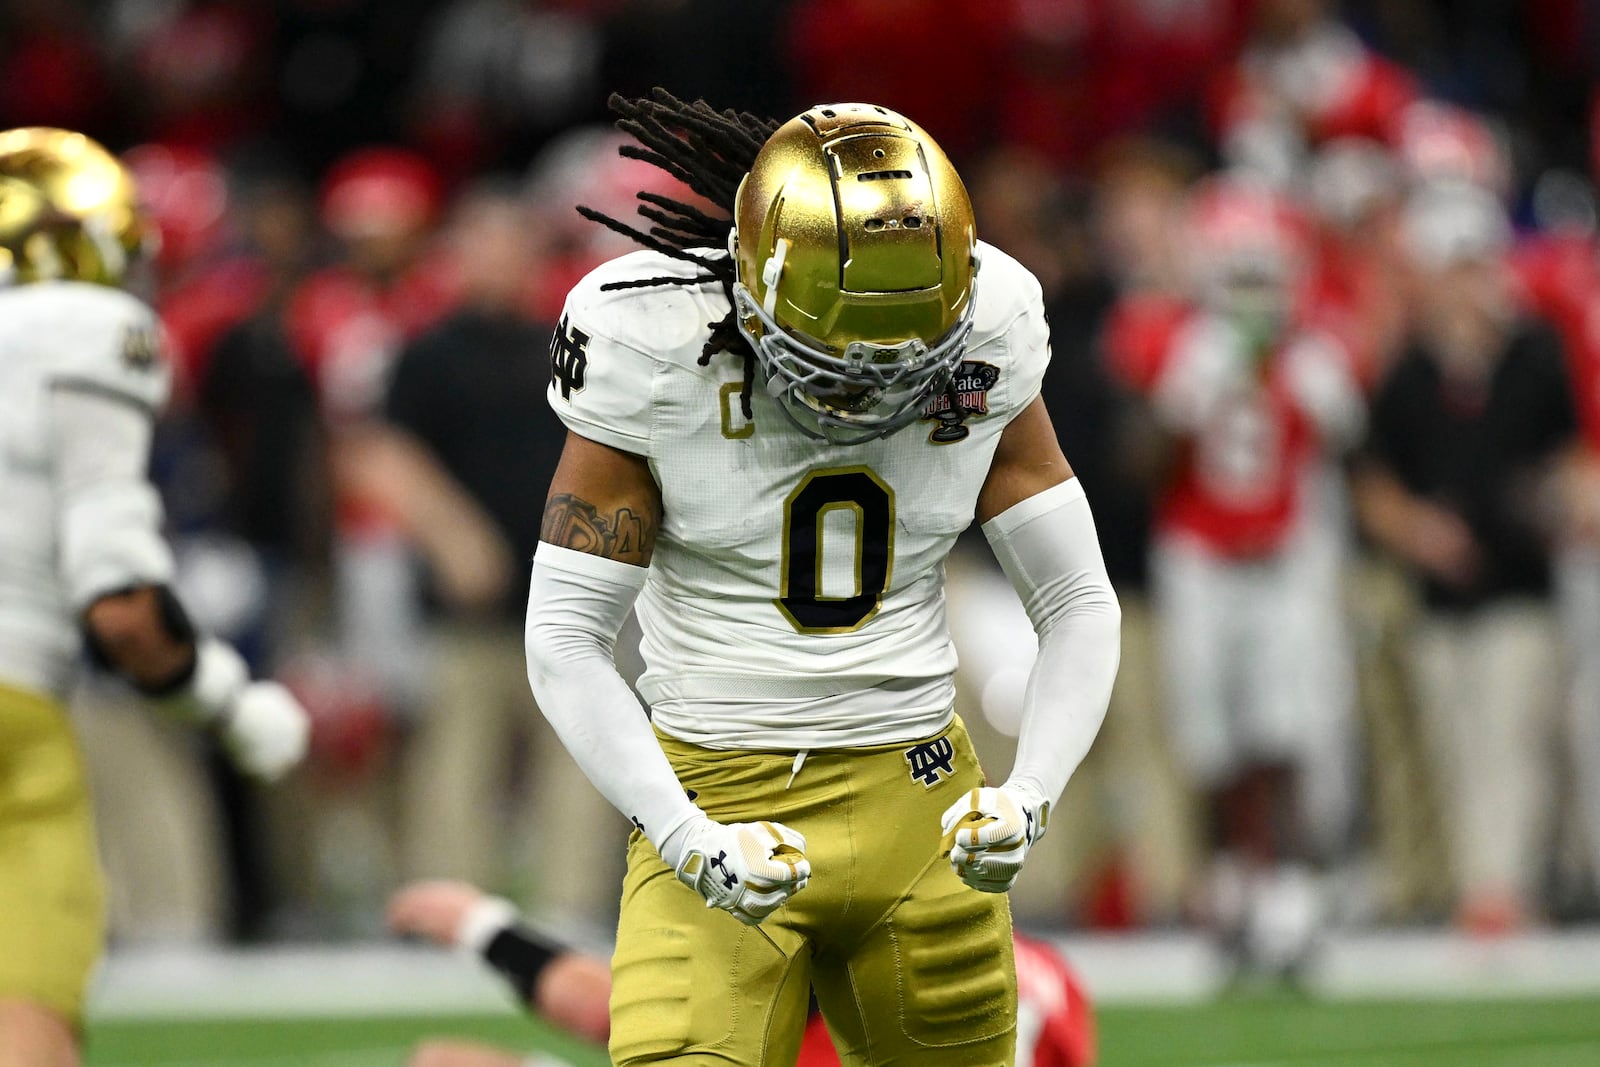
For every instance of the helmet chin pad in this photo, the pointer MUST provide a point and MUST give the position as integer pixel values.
(867, 392)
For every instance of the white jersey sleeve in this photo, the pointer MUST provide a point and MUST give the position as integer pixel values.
(1010, 316)
(601, 372)
(108, 515)
(81, 374)
(103, 341)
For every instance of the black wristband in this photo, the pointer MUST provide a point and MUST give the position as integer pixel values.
(520, 956)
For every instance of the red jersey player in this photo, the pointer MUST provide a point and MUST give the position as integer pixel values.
(1247, 553)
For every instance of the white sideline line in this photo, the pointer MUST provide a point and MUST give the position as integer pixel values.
(359, 980)
(1499, 1056)
(1439, 965)
(394, 981)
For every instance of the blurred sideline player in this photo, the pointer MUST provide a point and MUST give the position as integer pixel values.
(782, 415)
(1055, 1021)
(1246, 562)
(82, 562)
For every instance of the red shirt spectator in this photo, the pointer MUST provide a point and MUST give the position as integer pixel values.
(55, 74)
(205, 80)
(1305, 79)
(348, 327)
(349, 321)
(934, 60)
(1087, 71)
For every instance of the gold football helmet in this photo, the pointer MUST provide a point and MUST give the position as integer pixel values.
(68, 209)
(856, 256)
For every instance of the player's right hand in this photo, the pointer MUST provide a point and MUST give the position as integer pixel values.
(746, 868)
(265, 730)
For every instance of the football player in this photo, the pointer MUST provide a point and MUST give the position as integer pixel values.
(1258, 403)
(81, 556)
(570, 989)
(778, 425)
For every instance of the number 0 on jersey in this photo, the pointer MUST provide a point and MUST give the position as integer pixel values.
(857, 489)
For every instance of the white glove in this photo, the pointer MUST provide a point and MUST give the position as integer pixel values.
(265, 730)
(988, 833)
(746, 868)
(261, 724)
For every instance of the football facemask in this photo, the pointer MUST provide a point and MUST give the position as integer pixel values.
(869, 391)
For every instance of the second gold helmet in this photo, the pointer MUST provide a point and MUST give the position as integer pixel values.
(857, 258)
(84, 222)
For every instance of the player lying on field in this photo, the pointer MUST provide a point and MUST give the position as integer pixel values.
(1055, 1023)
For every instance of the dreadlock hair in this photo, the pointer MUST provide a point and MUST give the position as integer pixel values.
(710, 151)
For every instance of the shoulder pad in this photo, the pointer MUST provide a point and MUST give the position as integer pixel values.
(101, 340)
(1009, 327)
(615, 336)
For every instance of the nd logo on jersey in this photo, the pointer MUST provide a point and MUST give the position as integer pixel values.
(141, 347)
(930, 759)
(569, 358)
(972, 382)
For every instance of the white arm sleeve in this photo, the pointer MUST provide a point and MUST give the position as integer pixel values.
(576, 604)
(108, 512)
(1048, 548)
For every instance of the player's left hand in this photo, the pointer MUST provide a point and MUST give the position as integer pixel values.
(988, 832)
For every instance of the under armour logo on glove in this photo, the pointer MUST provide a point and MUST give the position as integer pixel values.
(987, 834)
(729, 879)
(747, 869)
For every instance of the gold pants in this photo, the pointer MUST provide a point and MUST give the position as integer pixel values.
(52, 896)
(910, 965)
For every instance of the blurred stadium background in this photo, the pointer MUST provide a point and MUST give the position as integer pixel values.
(1388, 206)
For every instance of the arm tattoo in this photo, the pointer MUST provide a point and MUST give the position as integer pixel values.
(626, 535)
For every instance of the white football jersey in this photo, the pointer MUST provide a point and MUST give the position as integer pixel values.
(795, 599)
(55, 335)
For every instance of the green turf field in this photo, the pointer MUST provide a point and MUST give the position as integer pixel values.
(1273, 1032)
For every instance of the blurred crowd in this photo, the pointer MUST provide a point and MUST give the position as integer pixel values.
(1324, 290)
